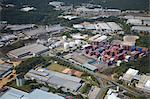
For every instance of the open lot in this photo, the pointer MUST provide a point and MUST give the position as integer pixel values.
(56, 67)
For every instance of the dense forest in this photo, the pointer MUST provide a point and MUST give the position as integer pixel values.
(121, 4)
(44, 13)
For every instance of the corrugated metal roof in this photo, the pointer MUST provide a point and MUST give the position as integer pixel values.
(4, 68)
(39, 94)
(35, 94)
(33, 49)
(90, 67)
(13, 94)
(55, 78)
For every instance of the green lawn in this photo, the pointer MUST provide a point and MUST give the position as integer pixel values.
(56, 67)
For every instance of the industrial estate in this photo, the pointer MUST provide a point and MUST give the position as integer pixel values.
(92, 52)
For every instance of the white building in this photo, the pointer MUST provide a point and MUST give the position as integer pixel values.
(112, 94)
(93, 93)
(28, 51)
(114, 26)
(134, 21)
(101, 38)
(130, 75)
(141, 29)
(12, 93)
(26, 9)
(144, 83)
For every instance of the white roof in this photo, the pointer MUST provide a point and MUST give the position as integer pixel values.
(84, 9)
(134, 21)
(113, 96)
(141, 28)
(33, 49)
(69, 17)
(132, 72)
(39, 94)
(79, 36)
(20, 27)
(89, 26)
(94, 37)
(26, 9)
(102, 38)
(147, 84)
(86, 45)
(114, 26)
(104, 26)
(94, 91)
(78, 26)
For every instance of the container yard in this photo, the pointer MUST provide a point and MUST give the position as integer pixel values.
(111, 54)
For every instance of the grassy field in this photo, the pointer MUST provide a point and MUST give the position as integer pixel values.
(56, 67)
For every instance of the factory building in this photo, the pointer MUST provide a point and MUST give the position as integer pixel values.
(139, 29)
(55, 79)
(54, 29)
(114, 26)
(28, 51)
(85, 11)
(100, 26)
(90, 67)
(20, 27)
(5, 70)
(114, 94)
(144, 83)
(93, 93)
(130, 75)
(12, 93)
(98, 38)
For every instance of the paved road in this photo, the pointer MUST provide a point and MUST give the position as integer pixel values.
(99, 77)
(117, 84)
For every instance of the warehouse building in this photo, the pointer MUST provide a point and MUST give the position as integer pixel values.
(141, 29)
(134, 21)
(90, 67)
(130, 75)
(28, 51)
(101, 26)
(12, 93)
(93, 93)
(98, 38)
(55, 79)
(43, 30)
(20, 27)
(5, 70)
(144, 83)
(114, 26)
